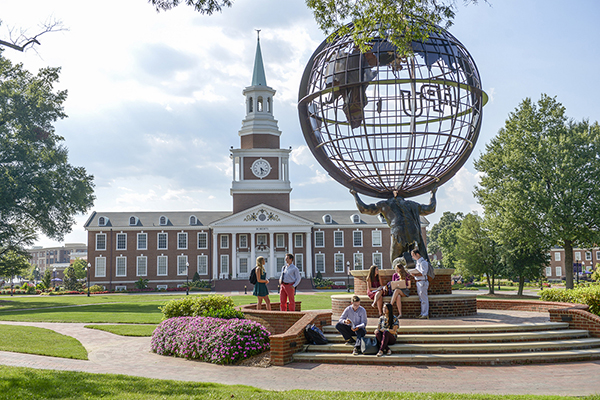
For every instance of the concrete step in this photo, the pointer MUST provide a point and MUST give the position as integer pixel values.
(471, 359)
(427, 329)
(517, 336)
(468, 348)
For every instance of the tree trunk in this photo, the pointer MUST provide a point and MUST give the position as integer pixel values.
(521, 285)
(490, 283)
(569, 263)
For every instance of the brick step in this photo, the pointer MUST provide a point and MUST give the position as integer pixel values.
(468, 348)
(470, 359)
(428, 329)
(481, 337)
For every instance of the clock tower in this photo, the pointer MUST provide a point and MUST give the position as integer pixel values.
(260, 166)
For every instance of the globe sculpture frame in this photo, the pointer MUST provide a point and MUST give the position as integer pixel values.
(387, 126)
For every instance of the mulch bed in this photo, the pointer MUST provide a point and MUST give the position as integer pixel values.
(262, 360)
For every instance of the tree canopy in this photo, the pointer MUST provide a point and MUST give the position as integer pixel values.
(13, 264)
(442, 237)
(410, 20)
(541, 176)
(39, 189)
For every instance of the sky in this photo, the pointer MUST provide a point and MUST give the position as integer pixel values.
(155, 99)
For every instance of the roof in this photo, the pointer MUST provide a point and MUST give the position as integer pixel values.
(258, 76)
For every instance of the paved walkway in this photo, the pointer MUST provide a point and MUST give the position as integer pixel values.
(110, 353)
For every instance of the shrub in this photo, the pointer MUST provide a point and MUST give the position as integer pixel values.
(210, 306)
(589, 295)
(214, 340)
(96, 289)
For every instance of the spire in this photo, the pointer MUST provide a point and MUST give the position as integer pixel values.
(258, 77)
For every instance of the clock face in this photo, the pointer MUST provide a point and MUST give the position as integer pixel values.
(261, 168)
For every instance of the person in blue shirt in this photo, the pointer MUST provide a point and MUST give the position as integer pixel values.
(289, 280)
(353, 322)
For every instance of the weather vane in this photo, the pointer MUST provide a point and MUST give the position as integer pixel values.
(257, 33)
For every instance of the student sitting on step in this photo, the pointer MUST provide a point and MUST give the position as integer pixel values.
(353, 322)
(386, 330)
(400, 275)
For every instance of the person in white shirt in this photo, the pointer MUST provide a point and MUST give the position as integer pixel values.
(353, 322)
(422, 283)
(289, 280)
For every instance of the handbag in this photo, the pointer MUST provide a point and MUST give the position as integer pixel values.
(368, 346)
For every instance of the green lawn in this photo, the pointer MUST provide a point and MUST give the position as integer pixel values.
(45, 342)
(27, 383)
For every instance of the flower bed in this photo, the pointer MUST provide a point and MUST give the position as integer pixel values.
(215, 340)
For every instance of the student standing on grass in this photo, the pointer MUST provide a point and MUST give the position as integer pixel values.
(353, 322)
(260, 289)
(289, 280)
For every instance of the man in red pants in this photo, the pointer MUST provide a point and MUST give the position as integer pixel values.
(289, 280)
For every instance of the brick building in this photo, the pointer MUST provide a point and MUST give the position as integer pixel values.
(588, 258)
(167, 248)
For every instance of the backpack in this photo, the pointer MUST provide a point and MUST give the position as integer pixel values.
(253, 276)
(430, 272)
(314, 335)
(368, 346)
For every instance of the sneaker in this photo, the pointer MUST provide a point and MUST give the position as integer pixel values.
(423, 317)
(389, 352)
(355, 352)
(379, 353)
(350, 342)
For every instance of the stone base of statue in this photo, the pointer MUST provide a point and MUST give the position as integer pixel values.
(442, 302)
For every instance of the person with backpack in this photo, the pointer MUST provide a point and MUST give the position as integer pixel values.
(420, 274)
(260, 288)
(353, 322)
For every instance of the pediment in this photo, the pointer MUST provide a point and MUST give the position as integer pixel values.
(262, 215)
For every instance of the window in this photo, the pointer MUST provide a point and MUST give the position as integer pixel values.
(243, 266)
(161, 265)
(358, 261)
(319, 239)
(162, 220)
(202, 240)
(280, 238)
(588, 255)
(193, 220)
(327, 219)
(121, 241)
(243, 241)
(100, 267)
(100, 241)
(299, 262)
(203, 265)
(182, 265)
(559, 271)
(224, 263)
(357, 238)
(182, 240)
(598, 256)
(376, 238)
(548, 271)
(162, 241)
(320, 262)
(142, 266)
(298, 240)
(338, 239)
(132, 221)
(557, 257)
(280, 263)
(578, 256)
(120, 288)
(102, 221)
(338, 262)
(142, 241)
(355, 218)
(261, 239)
(121, 266)
(162, 287)
(377, 260)
(224, 241)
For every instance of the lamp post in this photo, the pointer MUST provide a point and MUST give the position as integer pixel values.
(348, 277)
(54, 279)
(87, 273)
(187, 277)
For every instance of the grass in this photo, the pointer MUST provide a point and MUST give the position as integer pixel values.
(26, 383)
(45, 342)
(125, 329)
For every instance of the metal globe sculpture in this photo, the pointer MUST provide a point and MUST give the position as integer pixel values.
(380, 123)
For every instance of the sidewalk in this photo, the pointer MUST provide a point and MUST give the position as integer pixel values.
(114, 354)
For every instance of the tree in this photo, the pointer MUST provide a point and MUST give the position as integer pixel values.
(47, 278)
(13, 264)
(80, 265)
(541, 172)
(476, 252)
(39, 189)
(71, 282)
(411, 20)
(442, 237)
(21, 40)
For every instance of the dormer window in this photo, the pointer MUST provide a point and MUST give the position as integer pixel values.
(193, 220)
(355, 218)
(327, 219)
(102, 221)
(162, 220)
(133, 221)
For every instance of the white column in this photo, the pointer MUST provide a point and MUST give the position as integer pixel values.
(308, 259)
(215, 256)
(234, 255)
(290, 242)
(252, 250)
(272, 262)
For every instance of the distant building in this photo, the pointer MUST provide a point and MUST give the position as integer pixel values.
(588, 258)
(167, 248)
(56, 257)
